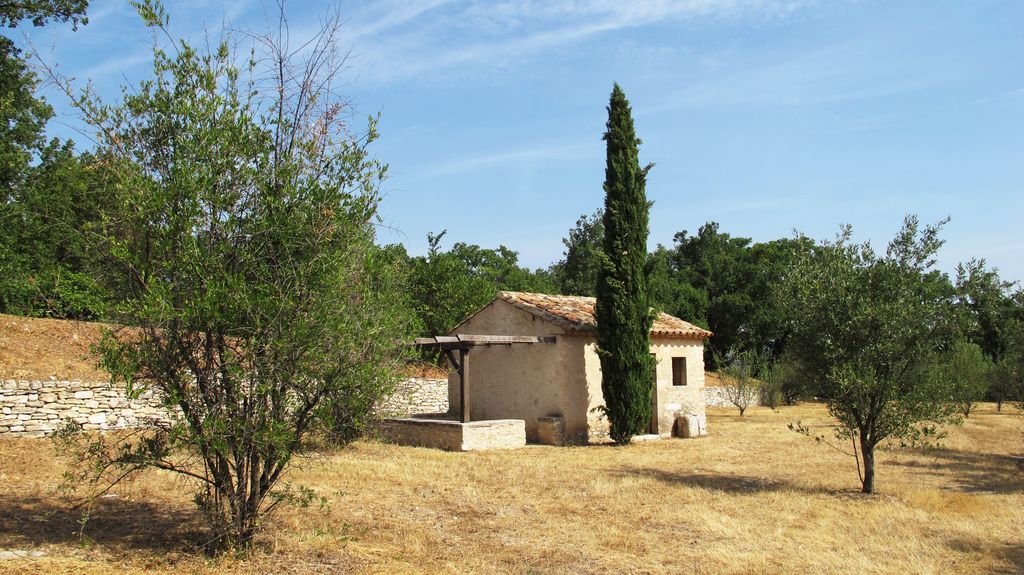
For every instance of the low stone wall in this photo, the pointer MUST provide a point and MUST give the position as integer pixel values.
(718, 397)
(417, 395)
(38, 408)
(455, 435)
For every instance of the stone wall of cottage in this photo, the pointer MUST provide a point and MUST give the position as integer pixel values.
(38, 408)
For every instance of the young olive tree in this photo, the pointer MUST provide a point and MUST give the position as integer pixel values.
(741, 388)
(866, 327)
(257, 306)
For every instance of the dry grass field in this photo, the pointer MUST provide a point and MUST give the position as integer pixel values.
(752, 497)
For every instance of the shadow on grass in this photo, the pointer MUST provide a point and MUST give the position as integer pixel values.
(971, 472)
(114, 523)
(1015, 556)
(725, 483)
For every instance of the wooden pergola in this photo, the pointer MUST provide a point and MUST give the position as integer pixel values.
(463, 343)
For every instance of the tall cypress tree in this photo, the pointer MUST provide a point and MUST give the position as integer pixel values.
(623, 306)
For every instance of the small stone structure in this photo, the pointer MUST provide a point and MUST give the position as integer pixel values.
(551, 430)
(691, 425)
(38, 408)
(563, 377)
(719, 397)
(455, 435)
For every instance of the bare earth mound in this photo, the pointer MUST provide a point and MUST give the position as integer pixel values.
(37, 349)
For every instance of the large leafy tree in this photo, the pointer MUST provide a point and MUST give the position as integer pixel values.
(48, 195)
(50, 261)
(734, 278)
(623, 309)
(257, 305)
(39, 12)
(448, 286)
(22, 119)
(578, 270)
(867, 327)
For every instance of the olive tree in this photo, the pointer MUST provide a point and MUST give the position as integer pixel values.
(866, 327)
(741, 388)
(256, 304)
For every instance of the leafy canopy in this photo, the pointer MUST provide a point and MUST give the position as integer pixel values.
(866, 326)
(259, 308)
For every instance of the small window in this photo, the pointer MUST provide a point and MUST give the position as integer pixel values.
(678, 371)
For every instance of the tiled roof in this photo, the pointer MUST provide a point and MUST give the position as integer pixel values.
(576, 314)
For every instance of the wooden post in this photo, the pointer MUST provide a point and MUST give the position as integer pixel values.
(464, 382)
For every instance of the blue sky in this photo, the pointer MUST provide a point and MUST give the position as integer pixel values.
(763, 116)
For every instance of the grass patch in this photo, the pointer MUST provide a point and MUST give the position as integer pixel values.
(752, 497)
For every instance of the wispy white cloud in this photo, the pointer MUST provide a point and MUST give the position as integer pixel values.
(524, 155)
(121, 65)
(429, 36)
(833, 74)
(390, 15)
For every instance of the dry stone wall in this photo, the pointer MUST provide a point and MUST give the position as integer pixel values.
(417, 395)
(38, 408)
(718, 397)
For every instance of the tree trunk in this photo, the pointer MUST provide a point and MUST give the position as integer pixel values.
(867, 450)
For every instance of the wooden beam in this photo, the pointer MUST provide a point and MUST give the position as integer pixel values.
(466, 341)
(506, 339)
(464, 382)
(451, 359)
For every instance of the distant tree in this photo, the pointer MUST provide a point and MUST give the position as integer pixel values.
(623, 309)
(446, 287)
(866, 327)
(741, 388)
(579, 269)
(48, 255)
(258, 307)
(777, 380)
(986, 300)
(443, 289)
(1006, 381)
(992, 319)
(967, 371)
(1007, 378)
(501, 268)
(725, 283)
(672, 292)
(22, 120)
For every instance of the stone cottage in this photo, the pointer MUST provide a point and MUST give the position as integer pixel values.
(555, 387)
